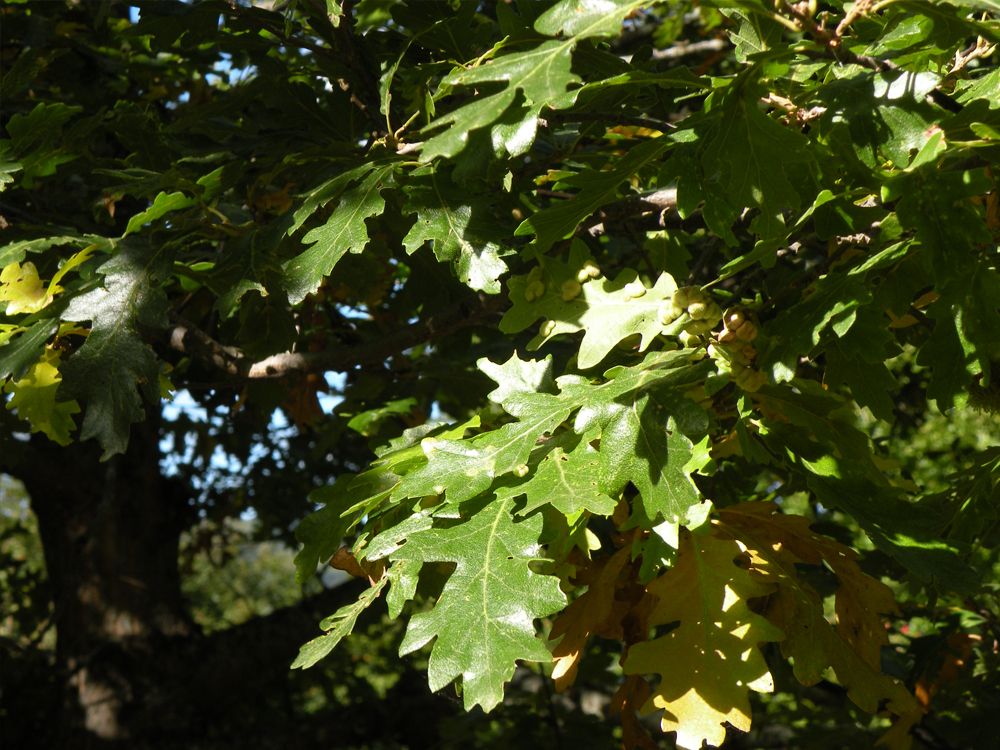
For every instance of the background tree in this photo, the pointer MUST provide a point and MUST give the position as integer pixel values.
(607, 337)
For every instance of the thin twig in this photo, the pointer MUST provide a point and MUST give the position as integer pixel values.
(188, 339)
(685, 48)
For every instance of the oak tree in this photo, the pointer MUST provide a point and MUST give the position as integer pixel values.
(597, 332)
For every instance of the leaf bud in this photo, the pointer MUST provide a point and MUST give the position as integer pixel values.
(634, 289)
(698, 310)
(521, 471)
(688, 339)
(682, 297)
(590, 270)
(548, 328)
(699, 327)
(534, 290)
(570, 289)
(666, 313)
(438, 489)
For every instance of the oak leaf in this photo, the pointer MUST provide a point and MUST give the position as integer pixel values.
(595, 612)
(776, 544)
(710, 661)
(483, 621)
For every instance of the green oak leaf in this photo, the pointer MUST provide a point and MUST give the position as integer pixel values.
(461, 229)
(567, 479)
(741, 158)
(531, 80)
(163, 204)
(825, 418)
(36, 140)
(901, 529)
(466, 468)
(640, 445)
(608, 311)
(8, 167)
(322, 532)
(356, 496)
(586, 18)
(483, 621)
(596, 188)
(344, 232)
(115, 368)
(755, 33)
(516, 376)
(338, 626)
(858, 359)
(948, 354)
(327, 191)
(15, 252)
(541, 75)
(832, 302)
(936, 205)
(462, 469)
(985, 88)
(23, 349)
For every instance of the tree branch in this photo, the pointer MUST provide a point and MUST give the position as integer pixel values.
(188, 339)
(683, 48)
(661, 201)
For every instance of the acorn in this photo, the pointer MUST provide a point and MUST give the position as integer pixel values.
(570, 289)
(634, 289)
(746, 332)
(688, 339)
(667, 313)
(749, 380)
(684, 296)
(589, 270)
(704, 310)
(535, 289)
(699, 327)
(734, 318)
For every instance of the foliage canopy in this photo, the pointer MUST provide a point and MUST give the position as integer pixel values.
(632, 306)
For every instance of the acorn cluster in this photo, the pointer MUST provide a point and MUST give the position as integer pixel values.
(734, 351)
(701, 310)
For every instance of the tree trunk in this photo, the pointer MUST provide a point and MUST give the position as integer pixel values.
(134, 670)
(110, 532)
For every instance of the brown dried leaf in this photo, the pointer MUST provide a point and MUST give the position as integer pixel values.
(596, 612)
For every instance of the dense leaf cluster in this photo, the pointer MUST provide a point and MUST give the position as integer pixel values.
(716, 257)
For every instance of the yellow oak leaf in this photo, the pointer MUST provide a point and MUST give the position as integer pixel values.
(34, 398)
(860, 600)
(631, 694)
(22, 290)
(590, 614)
(776, 543)
(710, 661)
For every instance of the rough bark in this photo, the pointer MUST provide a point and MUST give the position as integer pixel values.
(110, 533)
(131, 668)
